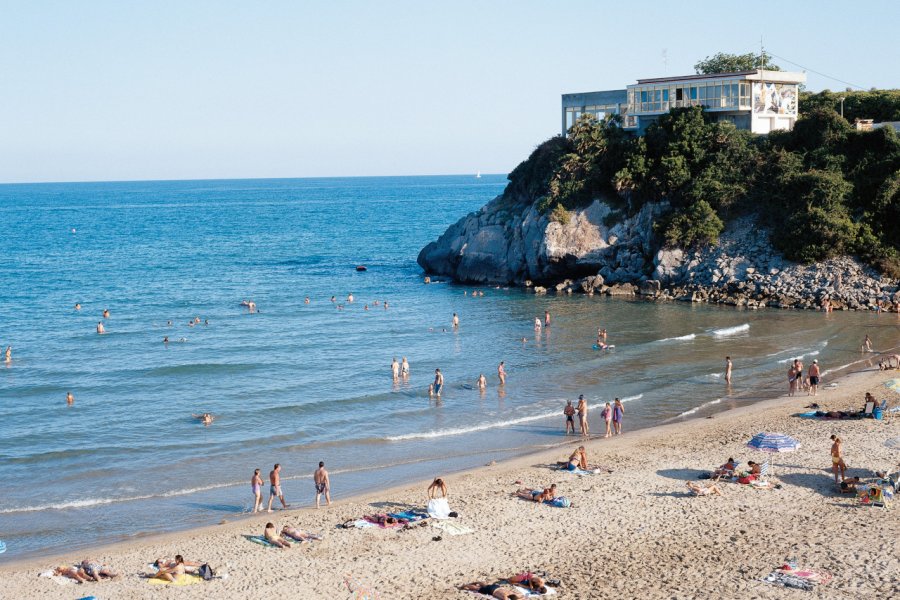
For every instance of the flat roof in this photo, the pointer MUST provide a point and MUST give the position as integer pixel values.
(755, 75)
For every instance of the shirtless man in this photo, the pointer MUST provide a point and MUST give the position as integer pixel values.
(837, 459)
(395, 369)
(867, 344)
(100, 328)
(350, 297)
(569, 411)
(481, 382)
(438, 384)
(813, 378)
(70, 399)
(455, 321)
(251, 306)
(205, 418)
(501, 373)
(105, 313)
(323, 484)
(728, 367)
(583, 414)
(9, 354)
(275, 487)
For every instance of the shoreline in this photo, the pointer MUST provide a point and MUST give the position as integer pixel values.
(766, 392)
(610, 450)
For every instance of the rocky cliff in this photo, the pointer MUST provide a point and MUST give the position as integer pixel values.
(596, 250)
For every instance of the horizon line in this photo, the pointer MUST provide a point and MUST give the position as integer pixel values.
(8, 183)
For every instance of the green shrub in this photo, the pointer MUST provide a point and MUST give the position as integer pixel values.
(698, 226)
(560, 215)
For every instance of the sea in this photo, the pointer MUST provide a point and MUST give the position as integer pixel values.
(300, 382)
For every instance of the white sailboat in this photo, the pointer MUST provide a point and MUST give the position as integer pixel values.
(478, 175)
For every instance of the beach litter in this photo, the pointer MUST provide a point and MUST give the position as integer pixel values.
(798, 578)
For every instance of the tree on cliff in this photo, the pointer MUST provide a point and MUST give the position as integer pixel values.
(722, 62)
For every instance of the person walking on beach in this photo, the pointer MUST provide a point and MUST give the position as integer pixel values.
(728, 367)
(607, 416)
(792, 380)
(256, 485)
(438, 384)
(813, 378)
(618, 413)
(455, 321)
(569, 411)
(395, 369)
(583, 414)
(837, 459)
(70, 399)
(275, 487)
(501, 373)
(323, 484)
(798, 369)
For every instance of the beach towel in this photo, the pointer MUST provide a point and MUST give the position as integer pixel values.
(452, 527)
(438, 508)
(258, 539)
(559, 502)
(179, 581)
(532, 594)
(411, 516)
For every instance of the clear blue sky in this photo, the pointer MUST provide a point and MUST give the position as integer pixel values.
(190, 89)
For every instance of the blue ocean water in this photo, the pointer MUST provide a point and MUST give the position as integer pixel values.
(296, 383)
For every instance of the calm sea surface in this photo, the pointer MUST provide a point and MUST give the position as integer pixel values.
(298, 383)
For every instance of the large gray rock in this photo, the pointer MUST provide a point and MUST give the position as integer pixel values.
(668, 265)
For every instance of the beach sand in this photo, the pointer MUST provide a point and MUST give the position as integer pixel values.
(632, 533)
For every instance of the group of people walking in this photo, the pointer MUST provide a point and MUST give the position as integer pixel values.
(320, 478)
(612, 414)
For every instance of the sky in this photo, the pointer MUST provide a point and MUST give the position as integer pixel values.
(99, 91)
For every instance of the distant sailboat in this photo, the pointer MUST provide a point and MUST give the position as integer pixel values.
(478, 175)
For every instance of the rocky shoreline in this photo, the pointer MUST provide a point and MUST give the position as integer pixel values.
(595, 250)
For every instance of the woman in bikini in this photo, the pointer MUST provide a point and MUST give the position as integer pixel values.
(256, 485)
(298, 534)
(607, 416)
(172, 573)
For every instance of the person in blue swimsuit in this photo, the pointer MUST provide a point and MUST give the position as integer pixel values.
(618, 413)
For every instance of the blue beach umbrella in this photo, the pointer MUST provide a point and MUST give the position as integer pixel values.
(773, 442)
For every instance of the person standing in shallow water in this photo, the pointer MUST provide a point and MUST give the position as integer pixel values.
(569, 411)
(395, 369)
(323, 484)
(438, 384)
(728, 367)
(501, 373)
(275, 487)
(583, 414)
(455, 321)
(618, 414)
(256, 486)
(70, 399)
(546, 318)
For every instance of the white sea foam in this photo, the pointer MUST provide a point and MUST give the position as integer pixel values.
(697, 408)
(88, 502)
(680, 338)
(462, 430)
(730, 330)
(799, 356)
(630, 398)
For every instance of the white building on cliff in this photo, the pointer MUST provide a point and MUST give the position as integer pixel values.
(759, 101)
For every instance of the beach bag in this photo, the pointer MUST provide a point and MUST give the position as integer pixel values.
(561, 502)
(206, 572)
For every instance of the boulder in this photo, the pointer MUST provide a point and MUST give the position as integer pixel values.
(650, 287)
(668, 265)
(621, 289)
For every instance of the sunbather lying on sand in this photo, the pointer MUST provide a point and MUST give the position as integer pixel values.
(273, 537)
(96, 571)
(296, 534)
(494, 590)
(537, 495)
(529, 580)
(71, 572)
(699, 490)
(170, 563)
(848, 486)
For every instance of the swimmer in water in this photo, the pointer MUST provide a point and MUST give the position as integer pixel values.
(77, 306)
(251, 306)
(100, 328)
(206, 322)
(105, 313)
(70, 399)
(168, 323)
(333, 299)
(366, 307)
(537, 324)
(166, 340)
(404, 368)
(9, 354)
(455, 321)
(385, 305)
(306, 300)
(395, 369)
(350, 297)
(205, 418)
(376, 303)
(197, 320)
(481, 383)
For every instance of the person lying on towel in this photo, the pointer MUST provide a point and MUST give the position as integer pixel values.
(537, 495)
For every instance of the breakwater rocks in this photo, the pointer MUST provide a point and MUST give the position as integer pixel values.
(596, 250)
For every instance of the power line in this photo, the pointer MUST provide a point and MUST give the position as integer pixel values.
(817, 72)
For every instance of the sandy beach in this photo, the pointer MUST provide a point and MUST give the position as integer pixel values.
(631, 533)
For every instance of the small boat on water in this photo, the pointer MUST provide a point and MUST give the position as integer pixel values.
(361, 268)
(478, 175)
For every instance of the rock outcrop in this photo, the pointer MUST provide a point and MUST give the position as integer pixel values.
(596, 250)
